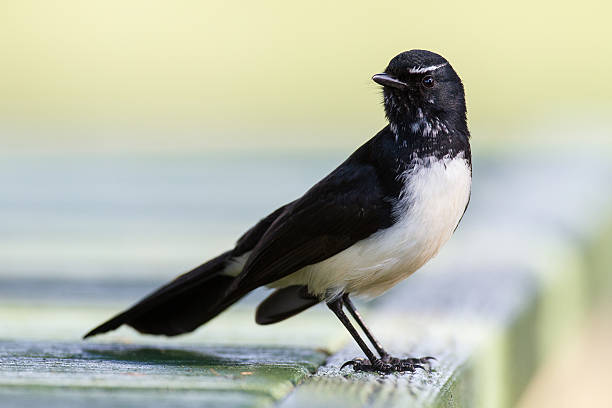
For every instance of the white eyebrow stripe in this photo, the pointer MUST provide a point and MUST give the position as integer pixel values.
(421, 70)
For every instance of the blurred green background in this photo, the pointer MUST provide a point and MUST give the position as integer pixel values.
(184, 75)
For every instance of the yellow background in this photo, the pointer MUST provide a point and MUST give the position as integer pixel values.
(184, 75)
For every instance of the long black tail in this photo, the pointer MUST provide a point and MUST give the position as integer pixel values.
(182, 305)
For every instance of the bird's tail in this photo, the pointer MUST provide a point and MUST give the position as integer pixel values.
(180, 306)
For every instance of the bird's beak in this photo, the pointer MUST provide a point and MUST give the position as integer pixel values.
(388, 80)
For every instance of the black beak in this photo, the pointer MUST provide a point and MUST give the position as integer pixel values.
(388, 80)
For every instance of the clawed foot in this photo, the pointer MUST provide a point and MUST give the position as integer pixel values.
(388, 364)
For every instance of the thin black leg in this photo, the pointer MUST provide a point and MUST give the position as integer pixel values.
(336, 307)
(385, 364)
(353, 311)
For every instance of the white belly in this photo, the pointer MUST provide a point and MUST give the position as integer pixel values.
(430, 207)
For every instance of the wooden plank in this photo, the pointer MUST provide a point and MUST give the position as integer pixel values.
(519, 275)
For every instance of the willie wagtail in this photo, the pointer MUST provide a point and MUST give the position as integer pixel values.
(367, 225)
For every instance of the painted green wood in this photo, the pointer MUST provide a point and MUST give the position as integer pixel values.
(219, 374)
(97, 398)
(521, 272)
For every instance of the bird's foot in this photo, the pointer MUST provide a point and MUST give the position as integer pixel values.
(386, 367)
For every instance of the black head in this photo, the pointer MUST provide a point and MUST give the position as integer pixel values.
(422, 92)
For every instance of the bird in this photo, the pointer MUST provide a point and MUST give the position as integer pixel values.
(369, 224)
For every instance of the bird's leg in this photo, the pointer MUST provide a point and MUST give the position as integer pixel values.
(353, 311)
(336, 307)
(384, 356)
(375, 363)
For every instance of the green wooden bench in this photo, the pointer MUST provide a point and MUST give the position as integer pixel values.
(528, 262)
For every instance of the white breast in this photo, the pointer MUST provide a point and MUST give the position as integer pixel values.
(432, 202)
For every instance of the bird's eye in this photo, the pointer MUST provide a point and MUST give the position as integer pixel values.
(427, 81)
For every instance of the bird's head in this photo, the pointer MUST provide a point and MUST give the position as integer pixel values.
(422, 92)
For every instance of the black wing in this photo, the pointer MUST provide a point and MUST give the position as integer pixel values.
(345, 207)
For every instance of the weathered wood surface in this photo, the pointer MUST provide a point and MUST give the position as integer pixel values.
(519, 274)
